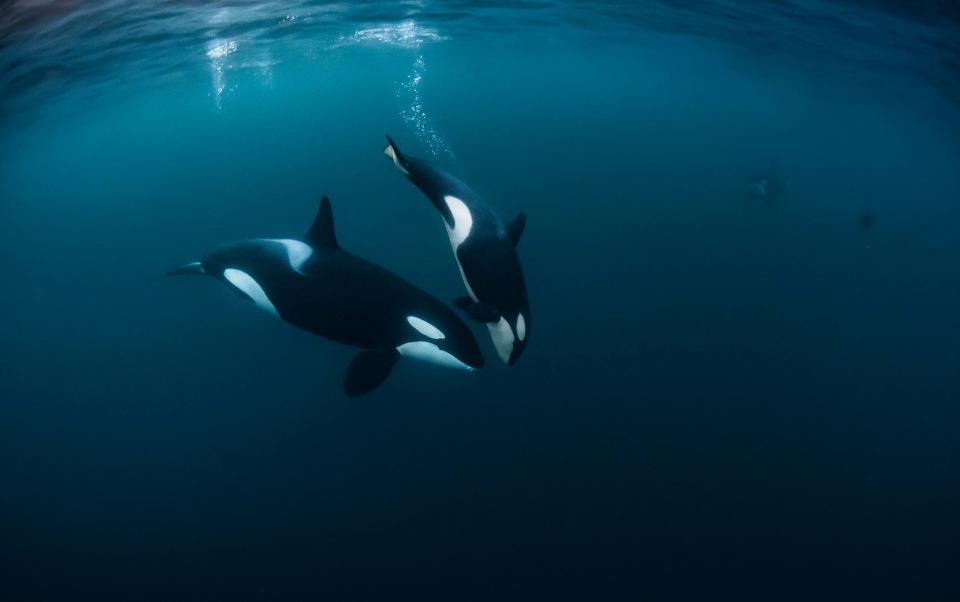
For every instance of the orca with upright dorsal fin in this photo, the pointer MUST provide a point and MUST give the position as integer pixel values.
(486, 251)
(315, 285)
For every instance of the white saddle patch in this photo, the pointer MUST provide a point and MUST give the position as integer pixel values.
(298, 252)
(502, 338)
(249, 287)
(429, 352)
(426, 328)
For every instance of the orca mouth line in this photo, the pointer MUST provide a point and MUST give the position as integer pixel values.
(194, 268)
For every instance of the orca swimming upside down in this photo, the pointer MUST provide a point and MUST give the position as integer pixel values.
(486, 251)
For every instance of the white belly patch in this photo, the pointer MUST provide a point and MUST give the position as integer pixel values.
(429, 352)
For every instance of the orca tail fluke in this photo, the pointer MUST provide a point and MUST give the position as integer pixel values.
(394, 153)
(194, 268)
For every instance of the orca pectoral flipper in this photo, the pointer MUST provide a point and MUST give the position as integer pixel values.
(478, 312)
(368, 370)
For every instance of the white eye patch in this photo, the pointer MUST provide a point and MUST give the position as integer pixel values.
(425, 328)
(249, 287)
(502, 338)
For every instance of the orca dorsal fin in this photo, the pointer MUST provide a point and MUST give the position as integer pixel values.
(321, 233)
(515, 228)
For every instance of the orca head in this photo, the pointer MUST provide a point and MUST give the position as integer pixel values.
(445, 342)
(227, 264)
(511, 333)
(504, 294)
(214, 262)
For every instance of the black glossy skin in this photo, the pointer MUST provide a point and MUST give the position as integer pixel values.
(489, 259)
(344, 298)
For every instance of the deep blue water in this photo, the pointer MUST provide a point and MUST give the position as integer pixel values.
(725, 397)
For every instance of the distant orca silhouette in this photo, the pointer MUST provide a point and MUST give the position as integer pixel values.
(486, 252)
(768, 186)
(867, 220)
(315, 285)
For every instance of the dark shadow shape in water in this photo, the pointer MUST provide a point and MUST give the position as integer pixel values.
(767, 185)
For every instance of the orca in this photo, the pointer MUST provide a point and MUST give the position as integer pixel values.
(768, 186)
(486, 252)
(315, 285)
